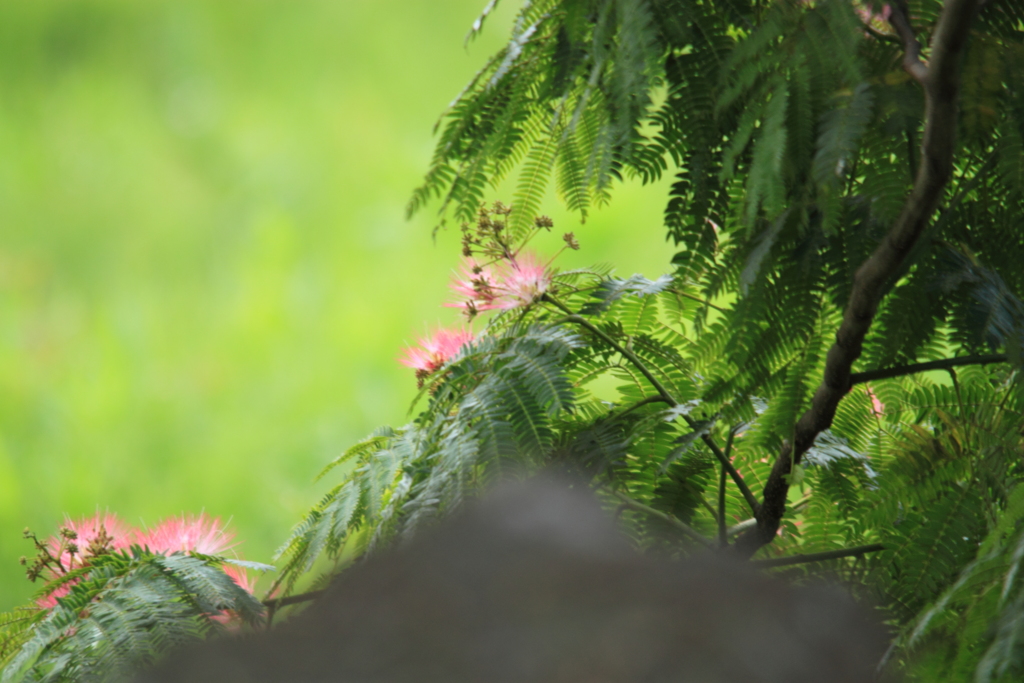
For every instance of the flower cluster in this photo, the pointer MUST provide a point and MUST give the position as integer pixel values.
(81, 540)
(496, 275)
(513, 282)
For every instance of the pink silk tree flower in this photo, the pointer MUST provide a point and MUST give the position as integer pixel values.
(79, 541)
(103, 529)
(433, 352)
(479, 289)
(203, 535)
(517, 281)
(525, 280)
(187, 534)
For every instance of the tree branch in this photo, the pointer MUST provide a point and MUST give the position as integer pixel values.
(643, 402)
(944, 364)
(696, 298)
(941, 83)
(723, 538)
(748, 495)
(899, 18)
(817, 557)
(277, 603)
(737, 478)
(677, 523)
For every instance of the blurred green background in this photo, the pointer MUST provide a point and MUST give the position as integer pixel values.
(205, 271)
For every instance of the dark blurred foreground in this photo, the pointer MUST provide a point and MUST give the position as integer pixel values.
(534, 583)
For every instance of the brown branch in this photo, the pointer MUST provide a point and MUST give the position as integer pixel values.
(944, 364)
(899, 17)
(818, 557)
(942, 88)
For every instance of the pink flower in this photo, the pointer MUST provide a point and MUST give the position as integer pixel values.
(87, 537)
(433, 352)
(203, 535)
(518, 281)
(187, 534)
(480, 288)
(526, 281)
(102, 528)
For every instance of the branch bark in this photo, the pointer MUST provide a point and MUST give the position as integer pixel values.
(899, 18)
(941, 82)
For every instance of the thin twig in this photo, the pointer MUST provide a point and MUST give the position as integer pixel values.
(663, 392)
(817, 557)
(674, 521)
(697, 299)
(723, 539)
(573, 318)
(277, 603)
(944, 364)
(707, 506)
(641, 403)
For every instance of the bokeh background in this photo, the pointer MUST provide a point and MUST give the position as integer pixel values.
(205, 270)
